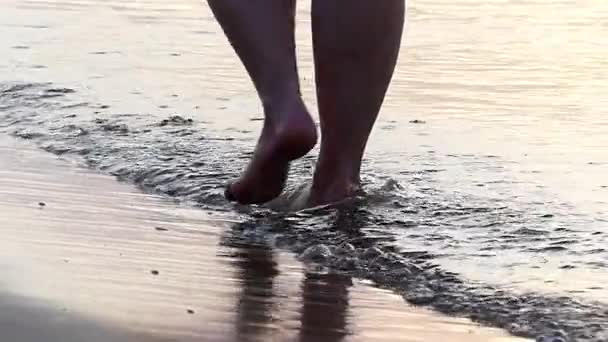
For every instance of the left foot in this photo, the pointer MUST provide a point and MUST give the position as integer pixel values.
(292, 136)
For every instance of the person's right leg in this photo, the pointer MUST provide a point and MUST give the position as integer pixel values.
(356, 45)
(262, 34)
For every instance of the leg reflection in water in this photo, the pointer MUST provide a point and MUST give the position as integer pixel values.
(323, 305)
(256, 303)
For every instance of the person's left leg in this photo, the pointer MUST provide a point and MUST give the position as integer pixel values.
(262, 34)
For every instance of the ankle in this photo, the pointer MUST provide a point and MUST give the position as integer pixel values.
(277, 105)
(334, 193)
(334, 185)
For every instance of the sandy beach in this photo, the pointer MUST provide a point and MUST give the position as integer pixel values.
(85, 258)
(122, 121)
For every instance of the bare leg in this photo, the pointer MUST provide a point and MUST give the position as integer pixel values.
(262, 34)
(356, 45)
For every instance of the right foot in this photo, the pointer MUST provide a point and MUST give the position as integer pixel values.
(333, 194)
(320, 193)
(290, 137)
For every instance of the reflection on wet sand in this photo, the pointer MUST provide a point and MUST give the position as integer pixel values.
(255, 305)
(324, 300)
(325, 307)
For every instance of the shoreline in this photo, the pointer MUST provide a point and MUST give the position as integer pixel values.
(104, 261)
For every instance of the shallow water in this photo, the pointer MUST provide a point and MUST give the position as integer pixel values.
(501, 180)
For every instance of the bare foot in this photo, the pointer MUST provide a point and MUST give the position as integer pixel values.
(310, 196)
(333, 193)
(290, 137)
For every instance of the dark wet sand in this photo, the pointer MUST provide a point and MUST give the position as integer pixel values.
(85, 258)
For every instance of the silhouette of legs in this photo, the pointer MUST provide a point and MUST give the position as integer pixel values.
(356, 45)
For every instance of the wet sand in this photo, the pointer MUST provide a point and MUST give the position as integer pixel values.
(86, 258)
